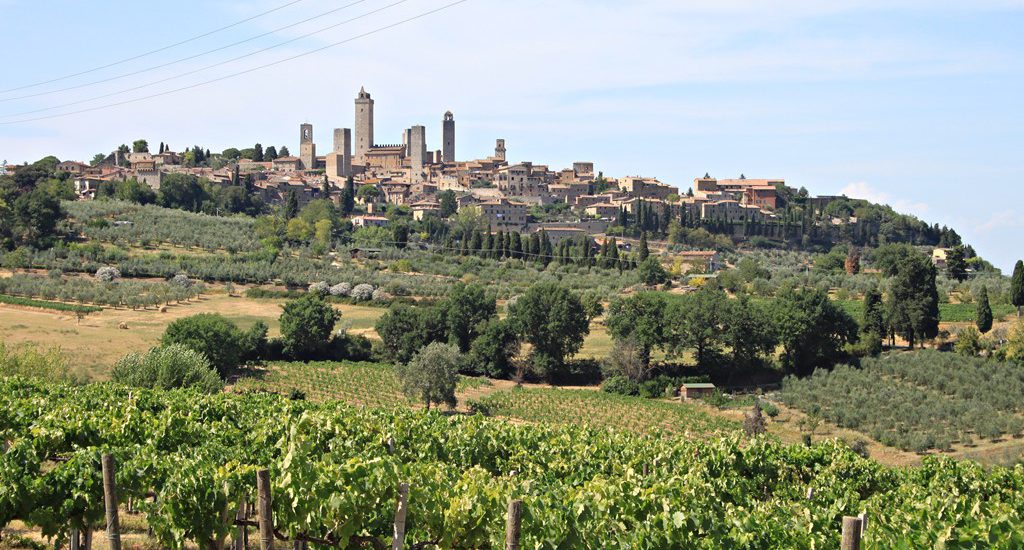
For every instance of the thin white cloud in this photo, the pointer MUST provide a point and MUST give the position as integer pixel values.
(863, 190)
(1001, 221)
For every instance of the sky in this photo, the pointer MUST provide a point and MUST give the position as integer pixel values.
(913, 103)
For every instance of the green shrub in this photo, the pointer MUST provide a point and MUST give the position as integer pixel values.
(168, 367)
(620, 385)
(32, 363)
(212, 335)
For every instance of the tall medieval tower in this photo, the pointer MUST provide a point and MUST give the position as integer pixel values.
(364, 125)
(499, 149)
(417, 151)
(307, 149)
(448, 138)
(339, 161)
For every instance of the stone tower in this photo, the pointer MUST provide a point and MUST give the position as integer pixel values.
(364, 125)
(448, 138)
(499, 150)
(307, 149)
(339, 161)
(417, 148)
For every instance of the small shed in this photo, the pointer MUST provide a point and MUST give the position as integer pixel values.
(361, 252)
(695, 390)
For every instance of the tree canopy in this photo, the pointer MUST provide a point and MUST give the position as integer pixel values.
(552, 319)
(307, 325)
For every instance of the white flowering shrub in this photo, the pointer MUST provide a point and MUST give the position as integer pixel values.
(362, 292)
(108, 274)
(321, 288)
(182, 280)
(379, 295)
(341, 289)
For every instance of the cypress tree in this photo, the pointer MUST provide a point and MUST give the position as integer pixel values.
(477, 242)
(517, 245)
(1017, 287)
(534, 246)
(984, 310)
(348, 196)
(642, 251)
(291, 206)
(546, 250)
(956, 264)
(488, 245)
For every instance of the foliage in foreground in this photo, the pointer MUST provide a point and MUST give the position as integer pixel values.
(335, 471)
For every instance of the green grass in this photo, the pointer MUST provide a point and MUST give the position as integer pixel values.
(601, 410)
(45, 304)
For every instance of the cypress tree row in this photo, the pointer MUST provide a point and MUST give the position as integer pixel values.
(1017, 287)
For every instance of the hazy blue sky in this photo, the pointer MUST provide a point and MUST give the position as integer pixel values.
(917, 103)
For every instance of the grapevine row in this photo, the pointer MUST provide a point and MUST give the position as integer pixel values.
(335, 472)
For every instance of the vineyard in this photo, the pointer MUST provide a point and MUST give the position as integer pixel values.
(369, 384)
(601, 410)
(86, 290)
(44, 304)
(188, 461)
(916, 401)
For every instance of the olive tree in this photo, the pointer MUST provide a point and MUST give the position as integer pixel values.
(431, 375)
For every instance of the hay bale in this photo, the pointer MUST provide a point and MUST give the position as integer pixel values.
(122, 325)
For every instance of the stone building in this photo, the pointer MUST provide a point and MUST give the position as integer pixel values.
(364, 126)
(499, 150)
(339, 160)
(584, 170)
(448, 138)
(417, 151)
(307, 150)
(521, 180)
(503, 214)
(384, 157)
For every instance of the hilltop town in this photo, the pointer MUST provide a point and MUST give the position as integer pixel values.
(573, 201)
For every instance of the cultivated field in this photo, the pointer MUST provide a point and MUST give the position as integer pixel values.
(918, 401)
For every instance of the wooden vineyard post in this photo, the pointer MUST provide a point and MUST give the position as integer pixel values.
(242, 534)
(110, 501)
(851, 533)
(264, 510)
(398, 541)
(513, 525)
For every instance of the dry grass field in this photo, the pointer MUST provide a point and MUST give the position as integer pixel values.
(94, 344)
